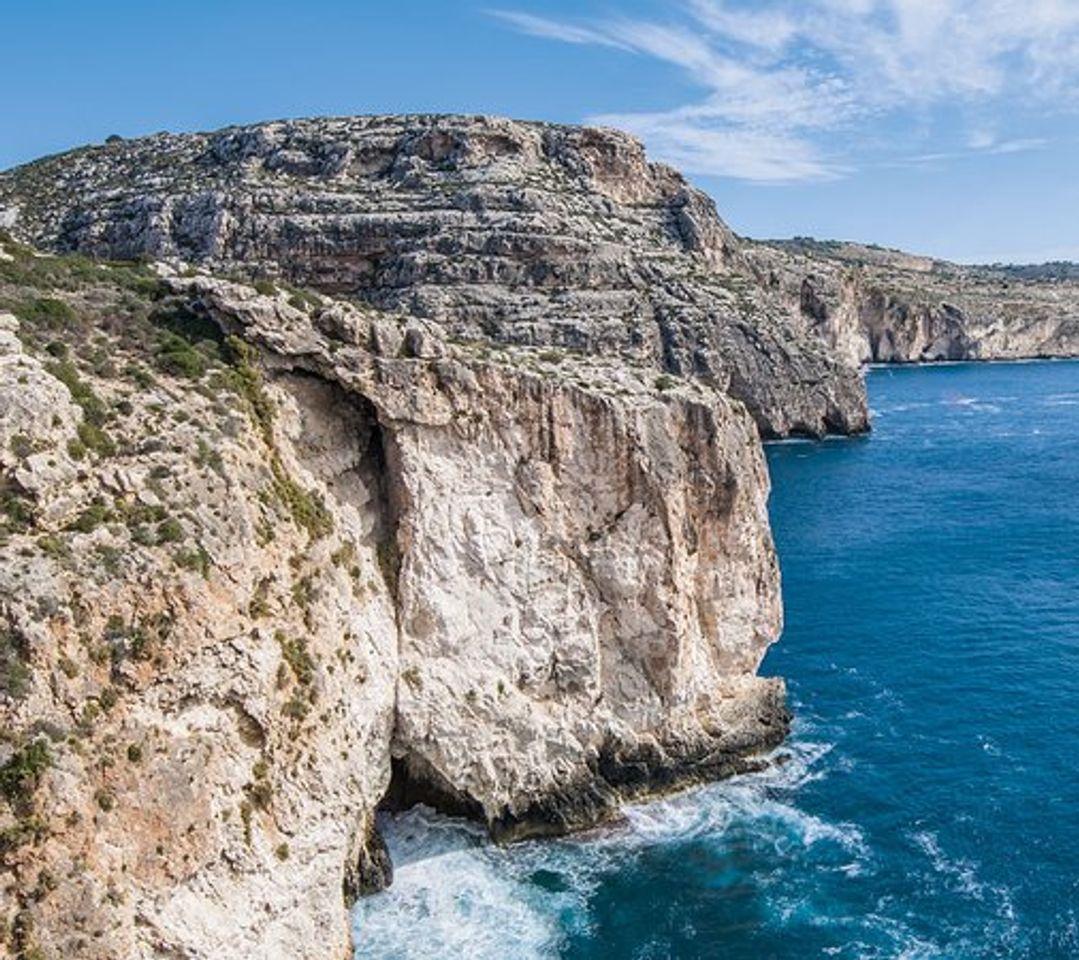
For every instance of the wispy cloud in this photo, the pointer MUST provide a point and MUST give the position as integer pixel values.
(553, 30)
(789, 87)
(978, 146)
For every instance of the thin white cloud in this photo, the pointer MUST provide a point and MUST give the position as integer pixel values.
(553, 30)
(742, 153)
(981, 139)
(789, 86)
(1020, 145)
(978, 147)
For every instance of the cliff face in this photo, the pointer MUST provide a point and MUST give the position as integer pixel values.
(880, 306)
(521, 233)
(271, 560)
(488, 532)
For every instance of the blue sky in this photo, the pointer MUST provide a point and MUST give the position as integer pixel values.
(948, 127)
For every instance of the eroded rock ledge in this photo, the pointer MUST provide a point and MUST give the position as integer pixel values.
(873, 305)
(272, 560)
(513, 232)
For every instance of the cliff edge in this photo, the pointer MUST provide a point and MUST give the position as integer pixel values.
(272, 560)
(518, 233)
(874, 305)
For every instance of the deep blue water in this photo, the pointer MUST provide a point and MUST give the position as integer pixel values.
(931, 808)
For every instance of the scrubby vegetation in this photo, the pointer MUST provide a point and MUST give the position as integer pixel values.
(307, 508)
(21, 774)
(14, 667)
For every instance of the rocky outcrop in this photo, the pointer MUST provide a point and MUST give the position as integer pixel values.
(584, 580)
(271, 560)
(518, 233)
(489, 531)
(871, 305)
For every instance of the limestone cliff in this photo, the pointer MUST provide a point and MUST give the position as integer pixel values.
(872, 305)
(519, 233)
(454, 492)
(270, 560)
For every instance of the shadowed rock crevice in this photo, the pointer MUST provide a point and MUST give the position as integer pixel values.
(414, 781)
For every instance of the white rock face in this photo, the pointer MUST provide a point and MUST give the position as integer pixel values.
(581, 576)
(871, 305)
(209, 793)
(520, 584)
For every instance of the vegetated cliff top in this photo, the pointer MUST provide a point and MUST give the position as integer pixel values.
(509, 231)
(869, 254)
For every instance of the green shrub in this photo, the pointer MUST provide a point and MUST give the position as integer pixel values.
(93, 407)
(20, 776)
(91, 517)
(143, 536)
(187, 342)
(29, 829)
(295, 653)
(176, 356)
(109, 557)
(140, 375)
(389, 562)
(307, 507)
(261, 794)
(21, 445)
(247, 381)
(245, 816)
(196, 560)
(296, 707)
(52, 546)
(207, 456)
(93, 437)
(47, 313)
(170, 531)
(303, 299)
(14, 669)
(17, 512)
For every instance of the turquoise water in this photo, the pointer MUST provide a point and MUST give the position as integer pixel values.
(931, 805)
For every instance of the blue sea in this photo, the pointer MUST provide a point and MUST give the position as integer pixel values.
(930, 808)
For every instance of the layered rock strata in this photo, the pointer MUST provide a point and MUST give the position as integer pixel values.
(272, 560)
(518, 233)
(871, 305)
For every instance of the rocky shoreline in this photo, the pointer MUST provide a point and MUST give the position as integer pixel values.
(264, 548)
(353, 463)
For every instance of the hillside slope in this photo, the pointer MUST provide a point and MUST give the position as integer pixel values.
(513, 232)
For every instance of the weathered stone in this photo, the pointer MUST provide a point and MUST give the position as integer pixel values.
(871, 305)
(525, 233)
(539, 585)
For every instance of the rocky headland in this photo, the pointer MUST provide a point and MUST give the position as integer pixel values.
(355, 463)
(271, 560)
(873, 305)
(514, 233)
